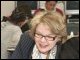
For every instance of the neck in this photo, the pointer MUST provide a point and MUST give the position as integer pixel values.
(45, 55)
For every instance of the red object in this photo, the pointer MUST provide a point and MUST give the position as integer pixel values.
(60, 11)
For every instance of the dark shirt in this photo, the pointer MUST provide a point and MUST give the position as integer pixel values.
(25, 27)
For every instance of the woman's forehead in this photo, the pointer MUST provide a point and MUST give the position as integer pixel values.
(43, 29)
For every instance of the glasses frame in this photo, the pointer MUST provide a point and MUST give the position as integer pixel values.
(40, 36)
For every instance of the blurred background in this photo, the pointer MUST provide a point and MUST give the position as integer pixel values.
(71, 9)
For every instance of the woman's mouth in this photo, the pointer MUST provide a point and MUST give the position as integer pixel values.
(43, 46)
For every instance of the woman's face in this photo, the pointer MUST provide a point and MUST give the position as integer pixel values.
(44, 39)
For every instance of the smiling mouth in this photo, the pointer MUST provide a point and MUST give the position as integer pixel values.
(43, 46)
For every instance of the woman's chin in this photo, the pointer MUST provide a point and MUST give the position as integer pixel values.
(44, 51)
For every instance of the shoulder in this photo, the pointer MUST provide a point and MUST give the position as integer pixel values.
(38, 10)
(26, 40)
(25, 37)
(70, 49)
(73, 42)
(2, 25)
(24, 47)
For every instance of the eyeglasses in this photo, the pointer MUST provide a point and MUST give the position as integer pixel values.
(48, 38)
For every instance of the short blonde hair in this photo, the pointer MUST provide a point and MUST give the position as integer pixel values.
(55, 22)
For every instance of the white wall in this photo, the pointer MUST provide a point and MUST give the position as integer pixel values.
(7, 7)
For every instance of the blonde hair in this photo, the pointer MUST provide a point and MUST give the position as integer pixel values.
(55, 22)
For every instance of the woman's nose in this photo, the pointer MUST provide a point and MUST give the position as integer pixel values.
(43, 40)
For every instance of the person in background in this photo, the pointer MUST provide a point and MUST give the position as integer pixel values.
(11, 32)
(27, 10)
(52, 6)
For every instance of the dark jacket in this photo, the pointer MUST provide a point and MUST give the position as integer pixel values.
(68, 50)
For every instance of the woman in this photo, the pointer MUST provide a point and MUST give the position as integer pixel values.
(44, 40)
(11, 32)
